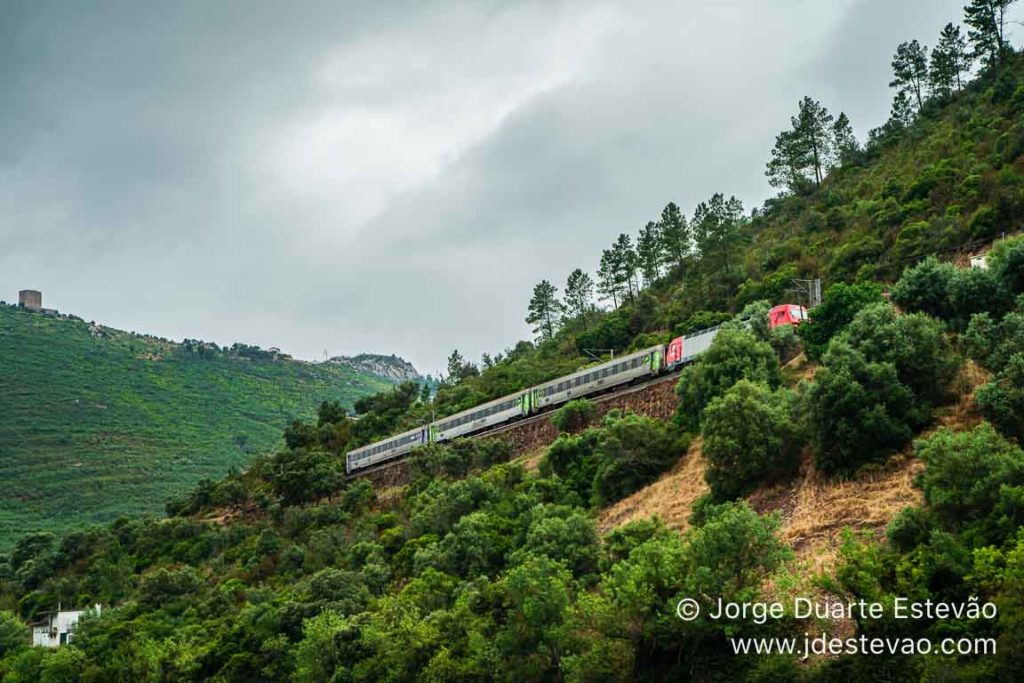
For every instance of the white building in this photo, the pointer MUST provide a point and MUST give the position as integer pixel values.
(57, 628)
(979, 261)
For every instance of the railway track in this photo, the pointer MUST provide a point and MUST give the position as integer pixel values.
(599, 398)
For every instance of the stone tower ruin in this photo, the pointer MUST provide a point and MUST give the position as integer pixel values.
(31, 299)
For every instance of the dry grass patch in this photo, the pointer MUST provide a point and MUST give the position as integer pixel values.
(818, 508)
(669, 498)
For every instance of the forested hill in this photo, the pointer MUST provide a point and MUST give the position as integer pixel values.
(98, 422)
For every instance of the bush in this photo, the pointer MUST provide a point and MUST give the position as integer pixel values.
(632, 450)
(973, 483)
(606, 463)
(924, 288)
(841, 304)
(748, 438)
(785, 341)
(1001, 401)
(574, 415)
(734, 355)
(571, 457)
(993, 343)
(858, 411)
(13, 633)
(1006, 261)
(915, 344)
(973, 290)
(909, 529)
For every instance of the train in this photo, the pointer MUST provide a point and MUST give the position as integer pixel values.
(631, 368)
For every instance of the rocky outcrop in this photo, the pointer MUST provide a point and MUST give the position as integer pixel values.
(390, 367)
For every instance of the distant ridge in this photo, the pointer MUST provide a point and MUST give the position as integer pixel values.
(391, 367)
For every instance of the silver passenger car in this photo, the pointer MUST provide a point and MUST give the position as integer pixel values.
(388, 449)
(589, 380)
(697, 343)
(486, 415)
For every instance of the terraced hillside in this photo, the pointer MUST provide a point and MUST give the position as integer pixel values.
(98, 422)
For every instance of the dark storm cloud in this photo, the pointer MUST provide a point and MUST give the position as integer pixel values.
(389, 176)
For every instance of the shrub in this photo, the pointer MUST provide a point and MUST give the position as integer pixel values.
(338, 591)
(574, 415)
(571, 457)
(841, 304)
(734, 355)
(973, 483)
(748, 438)
(567, 537)
(632, 450)
(785, 341)
(13, 633)
(993, 343)
(1006, 261)
(915, 344)
(973, 290)
(1001, 401)
(858, 411)
(924, 288)
(608, 462)
(909, 529)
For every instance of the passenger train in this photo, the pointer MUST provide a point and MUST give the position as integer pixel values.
(634, 367)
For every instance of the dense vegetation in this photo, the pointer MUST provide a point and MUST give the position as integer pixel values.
(99, 422)
(481, 569)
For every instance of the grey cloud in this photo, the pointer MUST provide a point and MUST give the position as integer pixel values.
(389, 176)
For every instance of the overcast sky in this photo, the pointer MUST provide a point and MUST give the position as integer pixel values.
(390, 177)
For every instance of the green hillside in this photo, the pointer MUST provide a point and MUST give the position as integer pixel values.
(100, 424)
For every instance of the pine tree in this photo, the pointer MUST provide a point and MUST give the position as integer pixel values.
(803, 153)
(717, 223)
(545, 310)
(579, 291)
(902, 113)
(813, 125)
(843, 139)
(459, 368)
(649, 252)
(788, 163)
(627, 261)
(607, 277)
(949, 60)
(675, 234)
(986, 29)
(910, 70)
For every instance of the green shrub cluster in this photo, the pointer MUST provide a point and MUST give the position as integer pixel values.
(750, 437)
(734, 354)
(608, 462)
(952, 294)
(574, 415)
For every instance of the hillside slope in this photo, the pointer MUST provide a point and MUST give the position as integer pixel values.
(98, 422)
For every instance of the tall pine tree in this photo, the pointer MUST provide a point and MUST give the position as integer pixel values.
(649, 252)
(803, 154)
(545, 310)
(627, 262)
(910, 71)
(950, 60)
(986, 29)
(608, 285)
(676, 239)
(843, 139)
(716, 224)
(579, 292)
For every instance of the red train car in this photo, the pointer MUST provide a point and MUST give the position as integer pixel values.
(786, 314)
